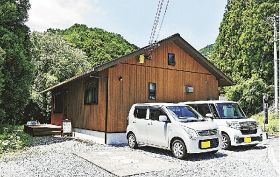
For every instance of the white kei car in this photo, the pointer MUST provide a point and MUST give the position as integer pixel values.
(236, 129)
(175, 127)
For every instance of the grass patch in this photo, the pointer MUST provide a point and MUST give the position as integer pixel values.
(13, 138)
(273, 122)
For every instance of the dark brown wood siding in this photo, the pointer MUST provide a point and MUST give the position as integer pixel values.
(85, 116)
(170, 82)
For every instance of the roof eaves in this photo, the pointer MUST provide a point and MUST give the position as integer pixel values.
(68, 80)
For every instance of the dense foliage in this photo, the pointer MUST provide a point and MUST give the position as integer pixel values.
(99, 45)
(13, 138)
(55, 60)
(16, 69)
(243, 50)
(2, 54)
(249, 94)
(207, 51)
(273, 122)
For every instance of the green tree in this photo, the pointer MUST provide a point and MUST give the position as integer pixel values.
(243, 47)
(99, 45)
(249, 94)
(55, 60)
(16, 66)
(207, 51)
(2, 55)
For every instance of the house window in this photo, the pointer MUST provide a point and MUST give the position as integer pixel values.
(152, 90)
(58, 103)
(91, 92)
(171, 59)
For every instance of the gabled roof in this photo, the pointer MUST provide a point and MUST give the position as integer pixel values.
(223, 80)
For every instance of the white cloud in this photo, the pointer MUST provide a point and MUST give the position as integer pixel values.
(61, 14)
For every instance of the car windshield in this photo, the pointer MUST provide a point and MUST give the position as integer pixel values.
(230, 111)
(184, 113)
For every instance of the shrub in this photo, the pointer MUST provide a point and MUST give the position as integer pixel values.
(13, 138)
(273, 122)
(249, 93)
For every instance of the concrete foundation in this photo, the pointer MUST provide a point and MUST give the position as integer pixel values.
(99, 137)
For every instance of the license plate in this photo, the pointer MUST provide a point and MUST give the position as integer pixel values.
(205, 144)
(247, 140)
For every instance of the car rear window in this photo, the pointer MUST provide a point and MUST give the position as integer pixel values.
(140, 112)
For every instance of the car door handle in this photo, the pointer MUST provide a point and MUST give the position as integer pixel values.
(134, 122)
(150, 123)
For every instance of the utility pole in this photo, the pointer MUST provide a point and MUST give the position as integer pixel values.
(279, 60)
(276, 88)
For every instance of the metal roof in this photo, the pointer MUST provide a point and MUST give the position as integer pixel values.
(223, 80)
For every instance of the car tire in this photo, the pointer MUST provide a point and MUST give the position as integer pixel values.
(225, 141)
(132, 143)
(179, 149)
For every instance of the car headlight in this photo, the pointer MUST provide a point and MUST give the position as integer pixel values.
(234, 125)
(192, 133)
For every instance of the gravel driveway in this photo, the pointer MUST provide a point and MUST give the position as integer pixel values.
(55, 156)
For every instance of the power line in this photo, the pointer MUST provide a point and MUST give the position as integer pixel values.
(156, 20)
(162, 19)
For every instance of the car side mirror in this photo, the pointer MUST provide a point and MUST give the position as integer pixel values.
(163, 118)
(209, 115)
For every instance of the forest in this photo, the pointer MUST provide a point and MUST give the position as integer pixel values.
(244, 51)
(33, 61)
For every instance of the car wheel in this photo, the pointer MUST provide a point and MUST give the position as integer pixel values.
(132, 143)
(179, 149)
(225, 141)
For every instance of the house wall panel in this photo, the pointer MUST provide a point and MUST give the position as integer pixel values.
(170, 82)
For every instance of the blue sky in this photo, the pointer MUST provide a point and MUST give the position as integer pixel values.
(197, 21)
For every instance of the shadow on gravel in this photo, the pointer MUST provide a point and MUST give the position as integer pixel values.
(205, 156)
(246, 148)
(47, 140)
(190, 157)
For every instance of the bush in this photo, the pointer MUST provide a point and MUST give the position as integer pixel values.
(273, 122)
(13, 138)
(249, 93)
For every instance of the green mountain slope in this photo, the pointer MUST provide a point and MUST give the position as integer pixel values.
(207, 51)
(244, 51)
(99, 45)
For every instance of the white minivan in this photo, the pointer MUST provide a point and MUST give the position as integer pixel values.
(175, 127)
(236, 129)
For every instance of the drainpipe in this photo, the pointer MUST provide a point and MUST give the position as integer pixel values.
(106, 112)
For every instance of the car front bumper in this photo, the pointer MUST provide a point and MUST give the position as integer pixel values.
(238, 139)
(195, 146)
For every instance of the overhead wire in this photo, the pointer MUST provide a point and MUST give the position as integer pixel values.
(156, 20)
(166, 7)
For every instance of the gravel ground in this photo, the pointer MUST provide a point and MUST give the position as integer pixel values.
(55, 156)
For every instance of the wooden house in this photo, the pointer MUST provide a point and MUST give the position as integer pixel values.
(98, 101)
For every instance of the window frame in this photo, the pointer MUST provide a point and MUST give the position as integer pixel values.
(171, 61)
(93, 88)
(152, 95)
